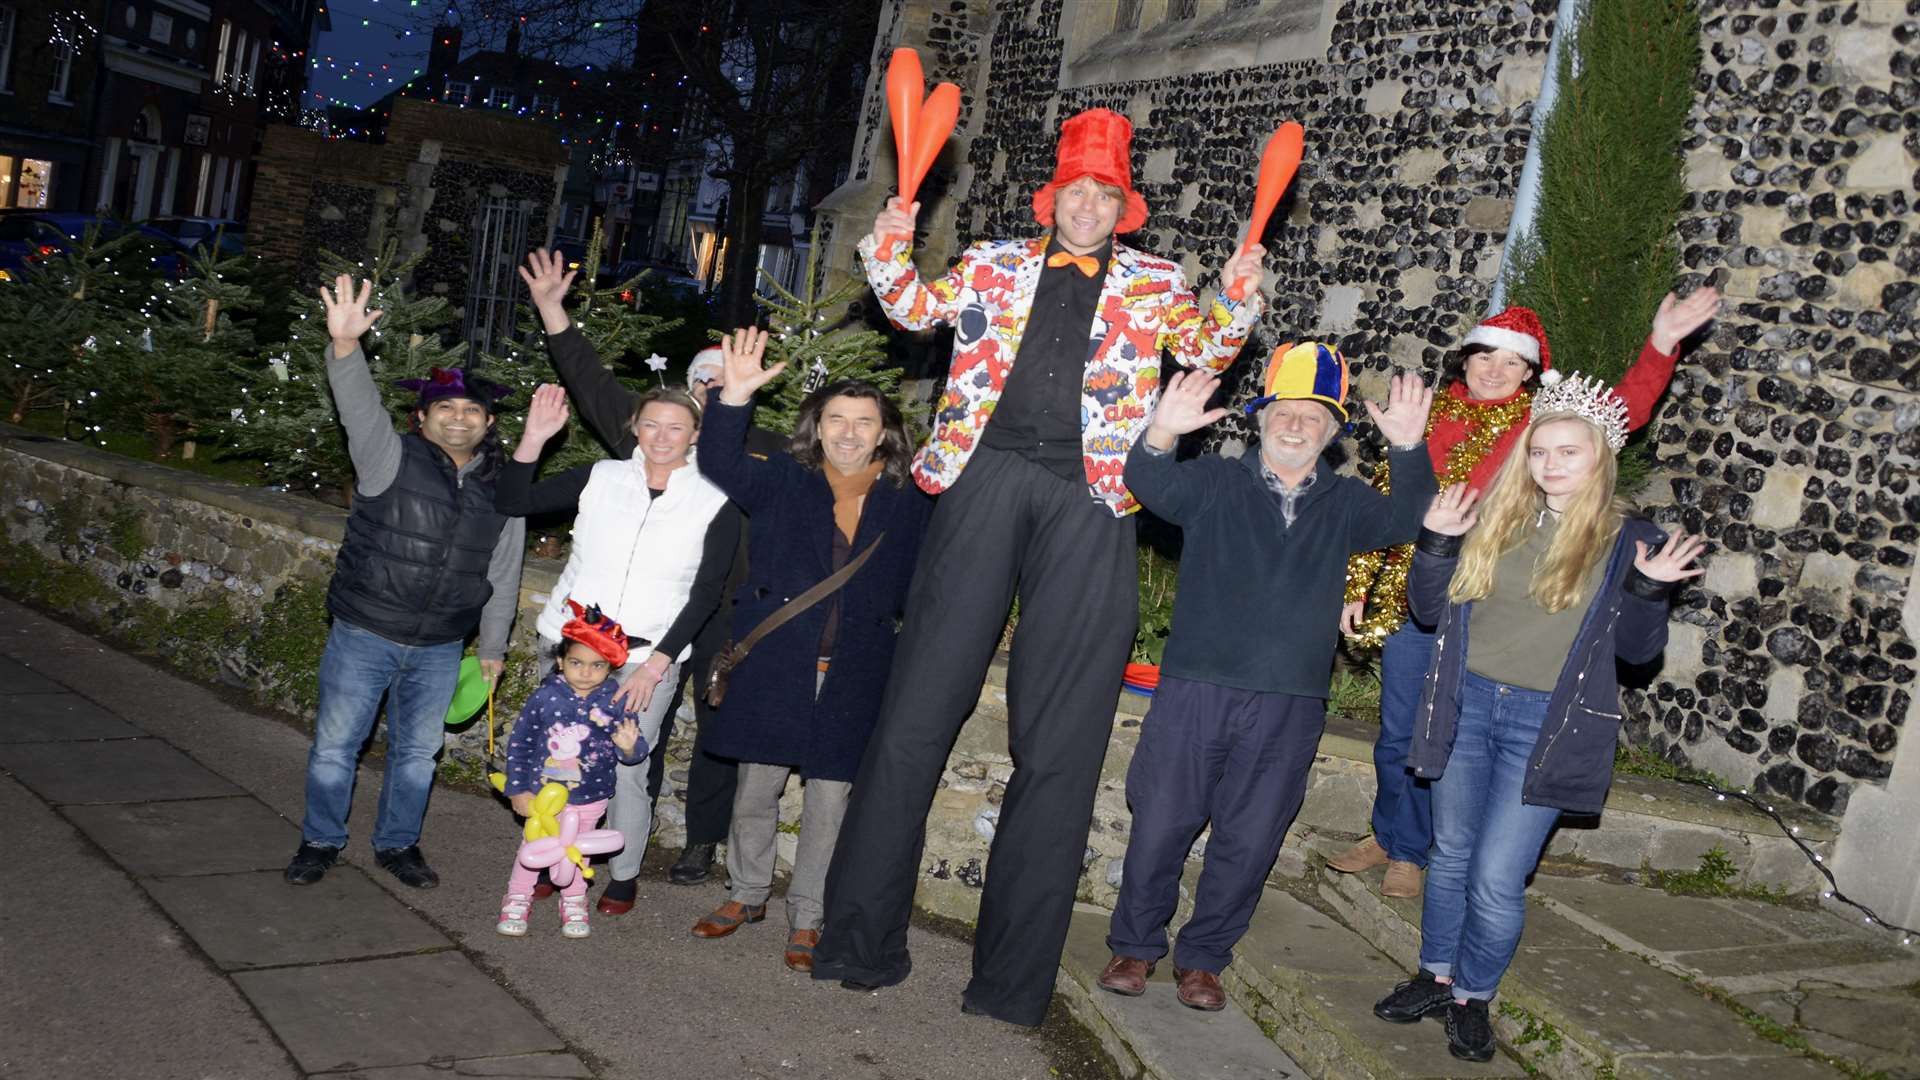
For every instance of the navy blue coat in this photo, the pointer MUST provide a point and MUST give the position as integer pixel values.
(770, 714)
(1572, 762)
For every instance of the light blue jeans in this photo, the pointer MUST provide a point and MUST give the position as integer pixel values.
(358, 668)
(1486, 842)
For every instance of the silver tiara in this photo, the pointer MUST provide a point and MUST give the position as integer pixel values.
(1588, 397)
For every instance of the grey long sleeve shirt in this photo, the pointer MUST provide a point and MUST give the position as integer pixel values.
(374, 447)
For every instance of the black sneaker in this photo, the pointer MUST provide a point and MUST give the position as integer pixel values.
(1413, 999)
(1469, 1031)
(311, 863)
(408, 865)
(694, 866)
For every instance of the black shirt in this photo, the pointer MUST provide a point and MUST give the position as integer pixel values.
(1038, 415)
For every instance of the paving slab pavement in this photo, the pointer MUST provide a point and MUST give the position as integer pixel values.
(256, 920)
(641, 997)
(59, 717)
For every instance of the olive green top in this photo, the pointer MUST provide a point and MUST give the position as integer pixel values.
(1511, 638)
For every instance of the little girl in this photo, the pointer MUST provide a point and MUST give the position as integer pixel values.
(1534, 595)
(566, 734)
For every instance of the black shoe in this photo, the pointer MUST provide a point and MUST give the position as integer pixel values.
(1469, 1031)
(1413, 999)
(694, 866)
(857, 985)
(408, 865)
(311, 863)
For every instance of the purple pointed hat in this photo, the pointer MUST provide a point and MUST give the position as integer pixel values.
(455, 383)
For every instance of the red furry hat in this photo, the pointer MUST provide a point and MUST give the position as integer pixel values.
(598, 632)
(1094, 143)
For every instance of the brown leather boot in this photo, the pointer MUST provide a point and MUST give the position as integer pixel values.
(1364, 855)
(1200, 990)
(727, 918)
(1126, 975)
(1403, 881)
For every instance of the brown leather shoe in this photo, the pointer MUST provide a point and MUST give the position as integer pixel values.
(727, 918)
(1200, 990)
(1403, 881)
(1126, 975)
(800, 945)
(1364, 855)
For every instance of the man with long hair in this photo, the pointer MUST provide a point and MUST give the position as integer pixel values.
(1056, 366)
(427, 557)
(806, 697)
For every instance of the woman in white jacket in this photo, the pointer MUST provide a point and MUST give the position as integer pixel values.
(652, 542)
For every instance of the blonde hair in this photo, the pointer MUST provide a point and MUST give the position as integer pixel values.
(1588, 527)
(668, 395)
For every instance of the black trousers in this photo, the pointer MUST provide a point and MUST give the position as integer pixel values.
(1007, 527)
(710, 780)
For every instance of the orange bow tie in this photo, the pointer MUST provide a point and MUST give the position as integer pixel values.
(1087, 264)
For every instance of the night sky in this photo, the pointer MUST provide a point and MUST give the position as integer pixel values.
(354, 75)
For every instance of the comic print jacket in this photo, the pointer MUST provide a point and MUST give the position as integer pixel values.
(1145, 309)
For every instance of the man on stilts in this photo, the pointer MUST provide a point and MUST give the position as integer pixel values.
(1056, 367)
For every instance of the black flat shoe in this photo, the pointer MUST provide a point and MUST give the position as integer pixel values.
(694, 866)
(860, 987)
(408, 865)
(1413, 999)
(1469, 1031)
(311, 863)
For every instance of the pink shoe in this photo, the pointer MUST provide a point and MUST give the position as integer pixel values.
(513, 915)
(573, 916)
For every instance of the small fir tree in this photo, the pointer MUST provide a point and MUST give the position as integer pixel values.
(820, 342)
(1602, 250)
(56, 313)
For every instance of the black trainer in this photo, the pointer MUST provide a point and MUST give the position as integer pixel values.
(408, 865)
(1413, 999)
(1469, 1031)
(311, 863)
(694, 866)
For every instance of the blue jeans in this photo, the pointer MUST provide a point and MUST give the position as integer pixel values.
(357, 669)
(1402, 808)
(1485, 840)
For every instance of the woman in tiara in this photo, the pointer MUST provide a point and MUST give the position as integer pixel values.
(1534, 594)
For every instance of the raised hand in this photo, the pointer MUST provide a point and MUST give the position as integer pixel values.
(547, 286)
(1183, 408)
(895, 219)
(1674, 560)
(1404, 420)
(740, 355)
(1246, 268)
(347, 316)
(1677, 319)
(626, 736)
(1452, 512)
(545, 417)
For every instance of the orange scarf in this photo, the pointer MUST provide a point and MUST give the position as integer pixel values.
(850, 495)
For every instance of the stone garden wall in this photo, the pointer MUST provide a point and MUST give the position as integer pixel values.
(1789, 436)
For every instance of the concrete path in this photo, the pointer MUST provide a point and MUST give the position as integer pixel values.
(149, 933)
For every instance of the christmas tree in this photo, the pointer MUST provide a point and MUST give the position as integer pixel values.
(56, 314)
(168, 373)
(285, 417)
(820, 342)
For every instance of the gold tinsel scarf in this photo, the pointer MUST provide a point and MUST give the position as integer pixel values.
(1380, 577)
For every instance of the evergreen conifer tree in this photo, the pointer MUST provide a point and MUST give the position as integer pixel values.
(56, 315)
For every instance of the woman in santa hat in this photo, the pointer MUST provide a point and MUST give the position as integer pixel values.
(1478, 415)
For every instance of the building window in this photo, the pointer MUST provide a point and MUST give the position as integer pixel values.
(457, 93)
(220, 53)
(498, 98)
(36, 179)
(62, 71)
(253, 66)
(161, 28)
(236, 67)
(547, 103)
(6, 47)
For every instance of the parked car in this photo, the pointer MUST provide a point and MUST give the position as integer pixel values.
(660, 275)
(30, 237)
(191, 232)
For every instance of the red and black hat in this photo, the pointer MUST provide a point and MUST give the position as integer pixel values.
(601, 634)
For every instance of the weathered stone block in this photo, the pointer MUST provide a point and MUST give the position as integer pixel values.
(1489, 214)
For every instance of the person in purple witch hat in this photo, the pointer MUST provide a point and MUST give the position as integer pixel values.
(427, 558)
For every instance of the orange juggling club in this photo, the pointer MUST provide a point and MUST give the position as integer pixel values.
(920, 128)
(1278, 163)
(935, 123)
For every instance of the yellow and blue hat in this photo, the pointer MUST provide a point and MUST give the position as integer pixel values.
(1308, 371)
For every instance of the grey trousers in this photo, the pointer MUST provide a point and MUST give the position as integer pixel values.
(750, 840)
(631, 811)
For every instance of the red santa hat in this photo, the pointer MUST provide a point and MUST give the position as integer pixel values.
(1518, 329)
(1094, 143)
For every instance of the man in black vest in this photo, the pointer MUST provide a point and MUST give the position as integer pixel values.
(425, 559)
